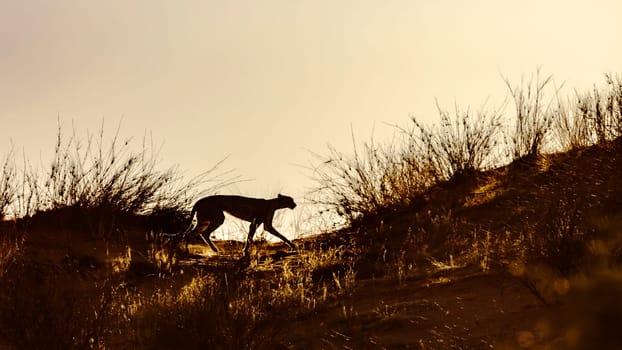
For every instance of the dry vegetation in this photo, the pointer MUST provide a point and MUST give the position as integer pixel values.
(463, 235)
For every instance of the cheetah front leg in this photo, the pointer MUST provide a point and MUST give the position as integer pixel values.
(249, 239)
(273, 231)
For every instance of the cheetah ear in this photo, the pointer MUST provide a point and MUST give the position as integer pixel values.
(280, 195)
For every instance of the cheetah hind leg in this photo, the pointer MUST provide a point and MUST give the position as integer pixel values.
(208, 242)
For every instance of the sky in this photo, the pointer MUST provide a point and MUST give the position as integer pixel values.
(267, 82)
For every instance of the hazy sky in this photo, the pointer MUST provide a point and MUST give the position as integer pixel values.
(265, 81)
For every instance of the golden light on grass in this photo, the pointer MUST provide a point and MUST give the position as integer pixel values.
(201, 249)
(122, 262)
(197, 287)
(485, 193)
(441, 265)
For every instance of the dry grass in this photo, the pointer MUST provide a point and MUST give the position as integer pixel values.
(118, 304)
(11, 243)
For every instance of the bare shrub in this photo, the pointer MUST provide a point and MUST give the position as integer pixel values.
(461, 145)
(614, 102)
(602, 109)
(571, 128)
(26, 200)
(89, 175)
(591, 117)
(533, 117)
(108, 180)
(8, 184)
(375, 177)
